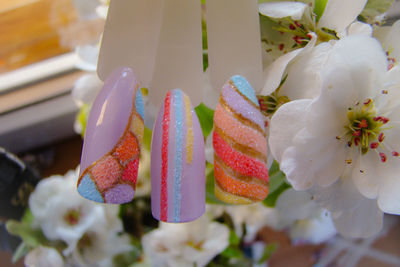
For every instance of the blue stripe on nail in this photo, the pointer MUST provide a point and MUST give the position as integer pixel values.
(245, 88)
(139, 105)
(178, 97)
(87, 188)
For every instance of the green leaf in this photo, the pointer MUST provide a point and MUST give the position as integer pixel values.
(31, 237)
(319, 8)
(21, 251)
(27, 218)
(206, 117)
(270, 201)
(210, 196)
(267, 253)
(147, 138)
(82, 117)
(234, 240)
(374, 8)
(232, 252)
(277, 185)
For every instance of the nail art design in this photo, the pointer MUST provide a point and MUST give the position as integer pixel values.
(177, 162)
(240, 146)
(114, 134)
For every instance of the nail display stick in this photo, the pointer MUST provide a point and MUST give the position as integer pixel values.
(130, 38)
(234, 44)
(179, 62)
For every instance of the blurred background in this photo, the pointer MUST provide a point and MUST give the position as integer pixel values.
(46, 46)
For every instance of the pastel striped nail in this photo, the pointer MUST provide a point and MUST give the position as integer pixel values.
(113, 137)
(177, 162)
(240, 145)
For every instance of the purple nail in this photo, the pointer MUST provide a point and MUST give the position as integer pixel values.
(177, 162)
(113, 137)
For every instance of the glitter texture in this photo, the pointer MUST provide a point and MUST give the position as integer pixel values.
(106, 172)
(245, 88)
(164, 158)
(240, 146)
(119, 194)
(241, 188)
(237, 131)
(240, 105)
(139, 104)
(189, 133)
(128, 149)
(239, 162)
(131, 172)
(229, 198)
(112, 177)
(178, 153)
(88, 189)
(137, 128)
(177, 162)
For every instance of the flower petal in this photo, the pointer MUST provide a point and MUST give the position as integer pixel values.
(274, 73)
(340, 196)
(365, 174)
(390, 38)
(303, 80)
(285, 123)
(295, 205)
(359, 28)
(292, 164)
(295, 10)
(389, 197)
(363, 221)
(339, 14)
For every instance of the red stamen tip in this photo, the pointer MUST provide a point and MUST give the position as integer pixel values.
(363, 123)
(383, 156)
(381, 137)
(384, 120)
(374, 145)
(356, 141)
(292, 27)
(395, 154)
(368, 101)
(357, 133)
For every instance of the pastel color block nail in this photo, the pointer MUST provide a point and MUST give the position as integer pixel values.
(177, 162)
(114, 133)
(240, 146)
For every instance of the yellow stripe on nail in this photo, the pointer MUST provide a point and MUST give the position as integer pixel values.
(189, 134)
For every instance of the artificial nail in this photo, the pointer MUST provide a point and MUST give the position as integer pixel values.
(240, 145)
(112, 143)
(177, 162)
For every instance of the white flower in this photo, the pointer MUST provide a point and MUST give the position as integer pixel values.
(63, 214)
(88, 56)
(390, 39)
(254, 217)
(86, 89)
(43, 257)
(306, 220)
(302, 67)
(186, 244)
(348, 135)
(337, 16)
(98, 247)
